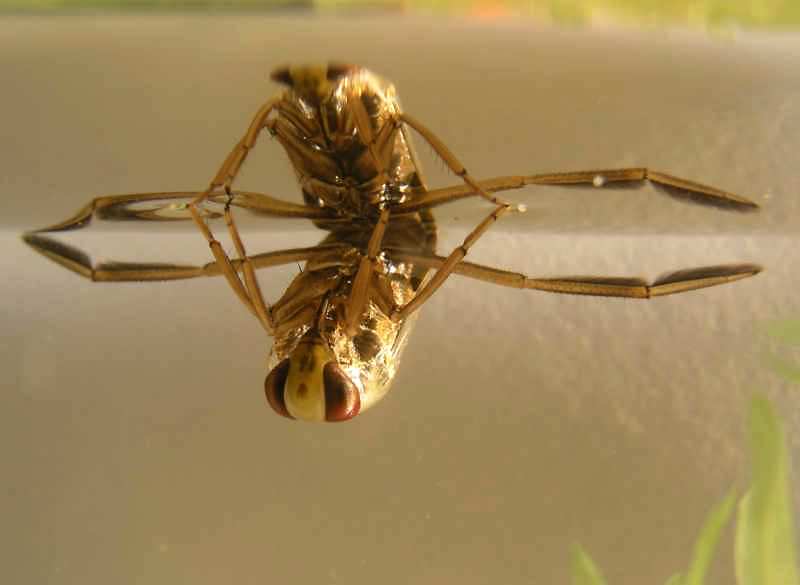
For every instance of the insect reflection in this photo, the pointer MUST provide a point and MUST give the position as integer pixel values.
(341, 325)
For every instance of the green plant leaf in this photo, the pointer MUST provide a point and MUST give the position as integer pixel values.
(787, 331)
(742, 545)
(676, 579)
(764, 544)
(584, 571)
(784, 368)
(706, 542)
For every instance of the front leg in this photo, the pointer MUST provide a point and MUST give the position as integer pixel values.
(248, 291)
(233, 163)
(450, 160)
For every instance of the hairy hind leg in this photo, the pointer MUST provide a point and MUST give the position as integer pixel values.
(605, 178)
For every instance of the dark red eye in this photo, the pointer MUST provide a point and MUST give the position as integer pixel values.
(337, 70)
(275, 386)
(342, 400)
(282, 75)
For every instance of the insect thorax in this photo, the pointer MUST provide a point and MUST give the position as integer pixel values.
(328, 136)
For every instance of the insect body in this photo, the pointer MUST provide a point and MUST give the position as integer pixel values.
(342, 323)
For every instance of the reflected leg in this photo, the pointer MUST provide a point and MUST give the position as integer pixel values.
(251, 286)
(78, 262)
(359, 293)
(448, 265)
(606, 286)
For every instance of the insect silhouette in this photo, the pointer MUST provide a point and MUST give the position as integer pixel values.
(341, 325)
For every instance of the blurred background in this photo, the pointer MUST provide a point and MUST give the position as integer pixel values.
(693, 13)
(137, 444)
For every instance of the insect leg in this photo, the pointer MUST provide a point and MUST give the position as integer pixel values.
(625, 177)
(174, 206)
(449, 158)
(233, 162)
(121, 207)
(382, 294)
(606, 178)
(367, 284)
(224, 179)
(359, 293)
(78, 262)
(248, 292)
(224, 262)
(605, 286)
(364, 129)
(448, 265)
(252, 288)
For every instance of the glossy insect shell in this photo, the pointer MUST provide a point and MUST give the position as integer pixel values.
(338, 127)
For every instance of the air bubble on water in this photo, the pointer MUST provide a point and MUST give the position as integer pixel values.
(598, 180)
(521, 208)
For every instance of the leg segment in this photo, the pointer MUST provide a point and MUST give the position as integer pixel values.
(165, 207)
(380, 152)
(607, 178)
(251, 286)
(224, 179)
(78, 262)
(449, 158)
(448, 265)
(174, 207)
(380, 146)
(605, 286)
(230, 168)
(228, 271)
(359, 293)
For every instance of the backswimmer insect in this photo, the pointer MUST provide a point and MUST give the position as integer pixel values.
(341, 325)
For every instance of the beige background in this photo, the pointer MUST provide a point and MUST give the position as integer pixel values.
(136, 442)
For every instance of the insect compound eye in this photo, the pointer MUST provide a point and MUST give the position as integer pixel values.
(282, 75)
(337, 70)
(275, 387)
(342, 400)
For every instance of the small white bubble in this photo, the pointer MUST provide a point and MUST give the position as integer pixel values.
(599, 181)
(522, 208)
